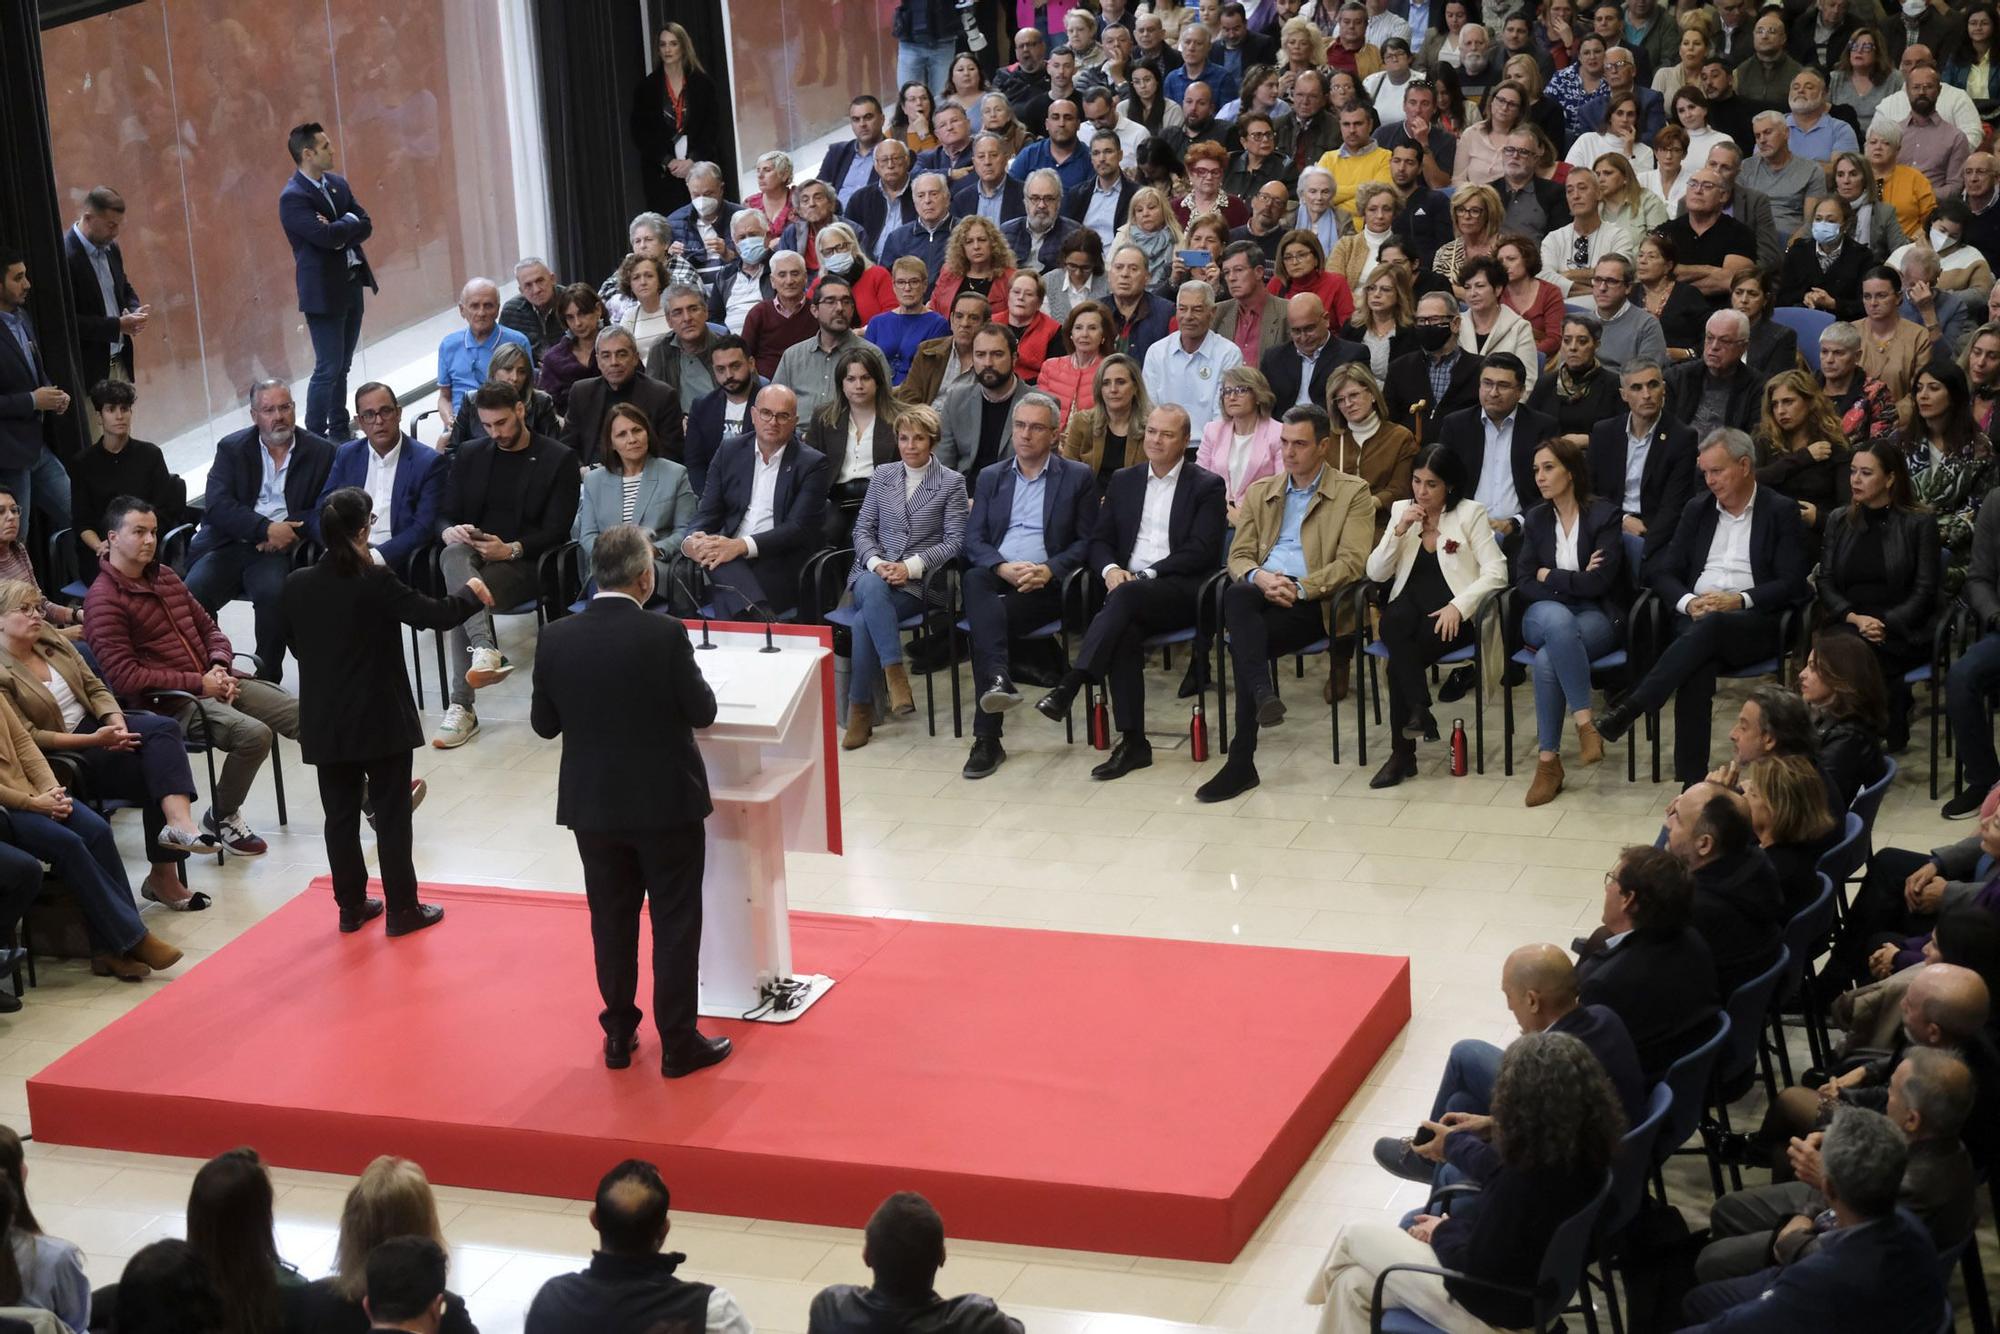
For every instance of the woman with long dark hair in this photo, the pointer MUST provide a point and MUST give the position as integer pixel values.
(856, 430)
(232, 1228)
(676, 120)
(1842, 683)
(357, 721)
(36, 1270)
(1951, 460)
(1803, 448)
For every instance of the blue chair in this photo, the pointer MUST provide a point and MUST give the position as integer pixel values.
(1736, 1065)
(1074, 590)
(934, 593)
(1688, 1077)
(1806, 937)
(1842, 861)
(1562, 1272)
(1867, 804)
(1212, 592)
(1628, 1190)
(1373, 650)
(1808, 325)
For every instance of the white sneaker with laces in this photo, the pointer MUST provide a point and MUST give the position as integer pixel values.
(487, 667)
(460, 725)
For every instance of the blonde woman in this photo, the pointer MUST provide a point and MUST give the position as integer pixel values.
(1385, 321)
(1622, 201)
(1697, 34)
(1365, 442)
(1804, 450)
(392, 1198)
(978, 257)
(1475, 221)
(1356, 254)
(1241, 445)
(1301, 46)
(1150, 225)
(1112, 434)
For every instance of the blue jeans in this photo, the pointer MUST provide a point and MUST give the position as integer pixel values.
(334, 338)
(1565, 639)
(928, 63)
(1469, 1073)
(238, 569)
(86, 858)
(44, 484)
(1972, 678)
(877, 638)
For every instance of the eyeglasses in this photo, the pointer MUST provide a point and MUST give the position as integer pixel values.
(1600, 280)
(766, 414)
(1506, 152)
(1227, 390)
(375, 414)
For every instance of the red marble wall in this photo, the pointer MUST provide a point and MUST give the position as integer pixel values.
(798, 62)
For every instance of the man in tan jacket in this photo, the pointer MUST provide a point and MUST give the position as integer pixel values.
(1303, 539)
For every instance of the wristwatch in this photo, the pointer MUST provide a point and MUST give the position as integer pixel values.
(514, 551)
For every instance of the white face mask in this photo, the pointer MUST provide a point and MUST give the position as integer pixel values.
(1941, 240)
(1914, 9)
(706, 205)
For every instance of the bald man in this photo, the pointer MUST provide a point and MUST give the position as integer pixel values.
(463, 354)
(1739, 907)
(1539, 985)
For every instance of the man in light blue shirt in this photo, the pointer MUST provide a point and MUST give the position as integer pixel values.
(464, 353)
(1186, 368)
(1062, 152)
(1107, 189)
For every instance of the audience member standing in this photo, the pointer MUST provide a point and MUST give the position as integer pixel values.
(108, 311)
(27, 392)
(676, 120)
(326, 226)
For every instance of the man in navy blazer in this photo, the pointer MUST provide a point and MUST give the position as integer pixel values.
(724, 411)
(1157, 541)
(1738, 562)
(761, 511)
(850, 164)
(1499, 431)
(265, 482)
(1646, 963)
(988, 182)
(406, 519)
(1032, 517)
(27, 393)
(108, 310)
(326, 227)
(1666, 470)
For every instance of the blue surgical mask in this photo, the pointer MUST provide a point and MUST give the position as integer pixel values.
(750, 249)
(1825, 232)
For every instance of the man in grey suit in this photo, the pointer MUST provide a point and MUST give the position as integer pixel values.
(977, 417)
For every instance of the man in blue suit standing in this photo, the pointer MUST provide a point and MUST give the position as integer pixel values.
(1032, 517)
(266, 479)
(27, 394)
(402, 475)
(326, 227)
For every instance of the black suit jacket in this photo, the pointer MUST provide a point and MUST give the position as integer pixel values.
(1599, 532)
(623, 767)
(346, 631)
(1465, 436)
(590, 405)
(20, 420)
(1666, 485)
(1746, 394)
(549, 493)
(1194, 522)
(1426, 220)
(1409, 383)
(1282, 367)
(705, 434)
(1076, 201)
(872, 215)
(965, 199)
(97, 328)
(237, 475)
(833, 168)
(1779, 560)
(1739, 909)
(797, 508)
(1662, 984)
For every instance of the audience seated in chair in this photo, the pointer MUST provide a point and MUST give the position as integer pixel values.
(465, 356)
(404, 476)
(904, 1248)
(1776, 721)
(1841, 682)
(406, 1292)
(1977, 672)
(511, 367)
(48, 1271)
(1875, 1272)
(392, 1198)
(20, 886)
(636, 485)
(167, 1289)
(1562, 1124)
(118, 465)
(1788, 813)
(762, 513)
(16, 566)
(1905, 893)
(630, 1286)
(261, 488)
(1646, 963)
(510, 499)
(724, 413)
(1738, 906)
(618, 380)
(855, 431)
(1301, 542)
(1651, 490)
(1736, 563)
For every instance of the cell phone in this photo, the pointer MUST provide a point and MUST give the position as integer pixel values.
(1195, 259)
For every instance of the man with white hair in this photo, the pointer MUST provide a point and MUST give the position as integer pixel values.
(464, 353)
(1036, 236)
(1477, 70)
(1814, 131)
(1717, 388)
(533, 313)
(925, 236)
(700, 227)
(884, 204)
(1196, 67)
(1779, 174)
(988, 190)
(1186, 367)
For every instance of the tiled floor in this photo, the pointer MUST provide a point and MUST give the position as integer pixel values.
(1453, 872)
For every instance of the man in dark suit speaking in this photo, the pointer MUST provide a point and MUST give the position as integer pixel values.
(634, 792)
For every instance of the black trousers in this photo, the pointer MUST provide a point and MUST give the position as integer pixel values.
(385, 781)
(1687, 672)
(1411, 637)
(1111, 652)
(663, 868)
(996, 611)
(1259, 630)
(1879, 911)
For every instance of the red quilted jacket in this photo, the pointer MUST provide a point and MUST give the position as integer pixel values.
(149, 633)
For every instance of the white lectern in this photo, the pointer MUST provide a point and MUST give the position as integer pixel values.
(773, 782)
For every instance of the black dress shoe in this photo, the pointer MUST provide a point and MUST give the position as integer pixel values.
(1232, 780)
(696, 1055)
(1966, 803)
(1420, 727)
(9, 1003)
(1615, 722)
(1399, 766)
(369, 910)
(1195, 680)
(986, 756)
(416, 919)
(1458, 685)
(1055, 705)
(999, 696)
(1270, 711)
(1130, 753)
(618, 1050)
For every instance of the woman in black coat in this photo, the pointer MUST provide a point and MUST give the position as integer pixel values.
(676, 121)
(1577, 389)
(1843, 685)
(1879, 575)
(357, 721)
(1826, 275)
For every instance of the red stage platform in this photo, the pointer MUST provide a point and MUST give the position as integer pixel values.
(1093, 1092)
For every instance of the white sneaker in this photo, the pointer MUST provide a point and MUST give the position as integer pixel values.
(487, 667)
(460, 725)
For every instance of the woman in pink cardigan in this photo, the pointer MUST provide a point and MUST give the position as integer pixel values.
(1241, 445)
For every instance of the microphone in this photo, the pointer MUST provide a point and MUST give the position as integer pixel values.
(770, 619)
(693, 602)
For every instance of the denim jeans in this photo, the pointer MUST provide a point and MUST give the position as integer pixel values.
(334, 338)
(1972, 677)
(928, 63)
(43, 484)
(1467, 1084)
(86, 858)
(1565, 639)
(877, 638)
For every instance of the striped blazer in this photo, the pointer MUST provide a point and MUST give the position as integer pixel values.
(929, 525)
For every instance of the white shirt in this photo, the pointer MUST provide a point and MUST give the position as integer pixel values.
(744, 295)
(67, 703)
(1637, 447)
(763, 496)
(381, 487)
(1496, 472)
(1566, 543)
(1191, 379)
(1383, 26)
(1728, 567)
(645, 329)
(860, 459)
(1149, 548)
(271, 495)
(1594, 144)
(1130, 134)
(1559, 249)
(735, 416)
(1239, 460)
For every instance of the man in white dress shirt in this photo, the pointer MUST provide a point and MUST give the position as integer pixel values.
(1186, 367)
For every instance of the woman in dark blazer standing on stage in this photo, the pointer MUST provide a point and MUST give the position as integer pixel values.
(676, 120)
(357, 720)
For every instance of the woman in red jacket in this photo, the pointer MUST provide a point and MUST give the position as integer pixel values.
(1037, 336)
(978, 256)
(1302, 269)
(1072, 379)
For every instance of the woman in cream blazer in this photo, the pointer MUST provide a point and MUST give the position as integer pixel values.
(1440, 552)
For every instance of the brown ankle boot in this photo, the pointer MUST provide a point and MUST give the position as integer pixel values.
(860, 725)
(1548, 782)
(120, 967)
(901, 701)
(155, 953)
(1589, 744)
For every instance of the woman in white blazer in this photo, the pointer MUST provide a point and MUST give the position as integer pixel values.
(1439, 550)
(1488, 326)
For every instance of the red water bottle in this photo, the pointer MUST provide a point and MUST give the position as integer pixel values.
(1198, 734)
(1100, 725)
(1459, 758)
